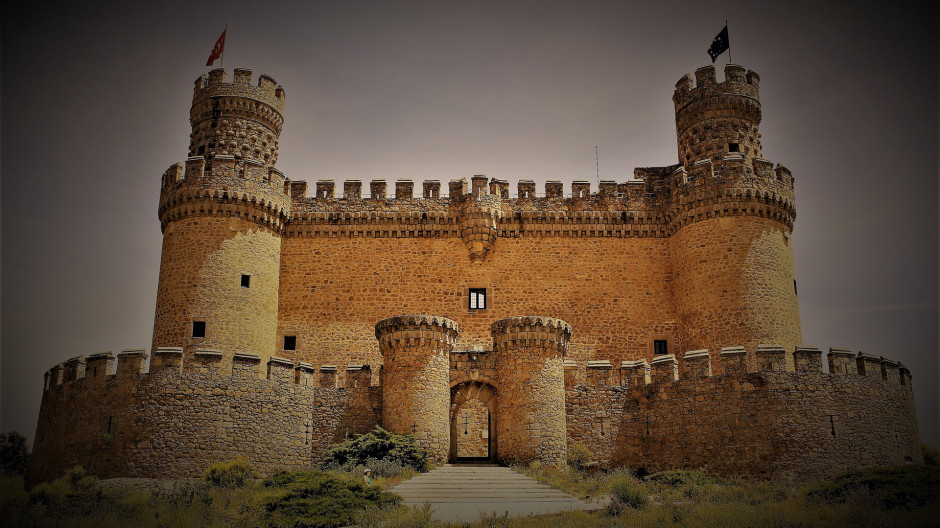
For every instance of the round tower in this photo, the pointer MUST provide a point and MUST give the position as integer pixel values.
(531, 423)
(714, 119)
(731, 217)
(416, 378)
(222, 215)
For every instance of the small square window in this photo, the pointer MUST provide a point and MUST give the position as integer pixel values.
(246, 280)
(477, 299)
(290, 342)
(199, 329)
(660, 346)
(733, 147)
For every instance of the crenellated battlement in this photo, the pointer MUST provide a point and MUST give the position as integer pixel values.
(206, 363)
(215, 84)
(697, 364)
(664, 201)
(530, 331)
(219, 187)
(738, 81)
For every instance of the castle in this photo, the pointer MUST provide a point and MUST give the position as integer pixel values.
(655, 321)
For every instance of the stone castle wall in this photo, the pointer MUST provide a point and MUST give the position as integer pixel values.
(118, 421)
(802, 423)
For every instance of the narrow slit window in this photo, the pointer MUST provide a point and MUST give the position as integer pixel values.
(477, 299)
(246, 281)
(660, 346)
(290, 342)
(199, 329)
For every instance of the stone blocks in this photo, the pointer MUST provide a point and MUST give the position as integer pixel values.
(807, 359)
(634, 373)
(733, 360)
(664, 368)
(771, 358)
(842, 361)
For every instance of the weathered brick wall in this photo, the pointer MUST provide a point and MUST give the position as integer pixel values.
(761, 424)
(174, 423)
(615, 291)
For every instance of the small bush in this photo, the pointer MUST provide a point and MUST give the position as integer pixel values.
(315, 499)
(14, 453)
(378, 445)
(580, 457)
(230, 474)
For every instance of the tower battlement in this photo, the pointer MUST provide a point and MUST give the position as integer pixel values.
(215, 84)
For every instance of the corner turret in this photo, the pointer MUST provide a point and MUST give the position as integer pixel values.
(222, 214)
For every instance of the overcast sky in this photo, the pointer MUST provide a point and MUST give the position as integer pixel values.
(95, 102)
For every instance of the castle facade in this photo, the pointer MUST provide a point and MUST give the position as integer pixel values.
(654, 320)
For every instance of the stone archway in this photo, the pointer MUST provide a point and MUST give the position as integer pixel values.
(465, 395)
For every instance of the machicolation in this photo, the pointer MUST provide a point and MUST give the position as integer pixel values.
(655, 320)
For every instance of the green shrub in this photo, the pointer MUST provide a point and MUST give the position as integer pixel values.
(899, 487)
(626, 492)
(230, 473)
(14, 453)
(74, 487)
(580, 457)
(380, 445)
(931, 455)
(681, 478)
(315, 499)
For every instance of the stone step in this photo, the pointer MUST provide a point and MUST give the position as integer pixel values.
(462, 493)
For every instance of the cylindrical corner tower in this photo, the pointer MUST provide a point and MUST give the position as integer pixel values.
(530, 353)
(416, 378)
(222, 218)
(732, 215)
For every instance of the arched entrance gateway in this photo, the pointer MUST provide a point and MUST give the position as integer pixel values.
(450, 399)
(473, 415)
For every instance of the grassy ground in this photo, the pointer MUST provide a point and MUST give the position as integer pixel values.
(902, 496)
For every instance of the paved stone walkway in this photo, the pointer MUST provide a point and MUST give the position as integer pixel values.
(462, 493)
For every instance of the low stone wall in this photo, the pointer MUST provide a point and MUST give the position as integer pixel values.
(760, 424)
(173, 422)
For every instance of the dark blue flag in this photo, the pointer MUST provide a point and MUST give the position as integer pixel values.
(720, 44)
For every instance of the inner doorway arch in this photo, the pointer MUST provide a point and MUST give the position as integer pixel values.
(460, 395)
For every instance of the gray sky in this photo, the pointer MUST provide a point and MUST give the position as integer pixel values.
(95, 102)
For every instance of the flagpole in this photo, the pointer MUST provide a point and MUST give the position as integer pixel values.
(729, 43)
(225, 32)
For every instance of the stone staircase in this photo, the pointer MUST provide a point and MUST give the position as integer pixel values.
(460, 493)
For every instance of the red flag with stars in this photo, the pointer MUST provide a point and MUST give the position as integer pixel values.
(218, 49)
